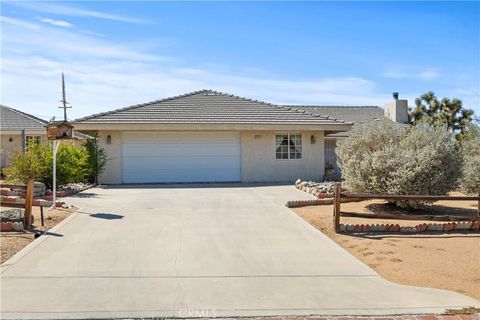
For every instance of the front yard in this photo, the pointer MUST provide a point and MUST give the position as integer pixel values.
(12, 242)
(444, 261)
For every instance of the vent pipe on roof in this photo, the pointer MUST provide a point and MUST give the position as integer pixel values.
(395, 95)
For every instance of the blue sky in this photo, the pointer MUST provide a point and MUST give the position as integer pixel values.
(116, 54)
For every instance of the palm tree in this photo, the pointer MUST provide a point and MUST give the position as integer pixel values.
(448, 112)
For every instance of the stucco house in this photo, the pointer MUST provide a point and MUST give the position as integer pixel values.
(396, 111)
(12, 122)
(209, 136)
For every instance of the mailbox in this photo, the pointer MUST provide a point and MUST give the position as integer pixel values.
(59, 130)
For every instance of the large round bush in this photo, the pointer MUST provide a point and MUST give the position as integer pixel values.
(383, 158)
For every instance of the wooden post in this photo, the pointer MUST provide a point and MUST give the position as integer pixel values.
(478, 213)
(336, 207)
(28, 203)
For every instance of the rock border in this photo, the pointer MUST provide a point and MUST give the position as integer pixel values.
(423, 227)
(305, 203)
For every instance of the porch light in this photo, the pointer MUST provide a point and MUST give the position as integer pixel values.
(109, 139)
(312, 139)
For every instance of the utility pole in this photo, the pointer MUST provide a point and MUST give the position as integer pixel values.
(64, 100)
(56, 144)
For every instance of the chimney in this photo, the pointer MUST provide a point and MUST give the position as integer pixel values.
(397, 110)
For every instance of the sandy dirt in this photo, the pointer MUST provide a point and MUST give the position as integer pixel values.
(12, 242)
(445, 261)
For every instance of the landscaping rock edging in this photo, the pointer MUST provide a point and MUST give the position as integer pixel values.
(318, 189)
(424, 227)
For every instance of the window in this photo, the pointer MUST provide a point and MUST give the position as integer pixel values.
(32, 140)
(288, 146)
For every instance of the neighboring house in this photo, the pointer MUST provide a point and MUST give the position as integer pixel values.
(12, 122)
(208, 136)
(397, 111)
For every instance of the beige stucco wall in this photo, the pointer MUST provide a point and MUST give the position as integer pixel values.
(9, 148)
(258, 163)
(113, 170)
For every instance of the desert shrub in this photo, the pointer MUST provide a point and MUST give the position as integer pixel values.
(470, 145)
(382, 158)
(72, 164)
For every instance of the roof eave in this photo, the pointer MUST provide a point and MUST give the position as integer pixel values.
(331, 127)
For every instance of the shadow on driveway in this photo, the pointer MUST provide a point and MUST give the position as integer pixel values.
(106, 216)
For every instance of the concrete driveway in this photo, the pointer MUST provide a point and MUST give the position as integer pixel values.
(205, 251)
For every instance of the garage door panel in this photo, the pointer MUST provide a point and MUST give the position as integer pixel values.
(180, 157)
(181, 163)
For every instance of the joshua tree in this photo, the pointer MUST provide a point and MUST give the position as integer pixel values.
(449, 112)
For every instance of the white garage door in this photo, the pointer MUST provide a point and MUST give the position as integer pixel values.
(180, 157)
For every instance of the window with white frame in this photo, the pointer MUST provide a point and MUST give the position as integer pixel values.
(288, 146)
(32, 140)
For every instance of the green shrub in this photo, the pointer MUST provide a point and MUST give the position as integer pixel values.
(72, 164)
(381, 158)
(25, 165)
(470, 143)
(97, 159)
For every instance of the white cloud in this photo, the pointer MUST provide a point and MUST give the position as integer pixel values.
(64, 10)
(18, 23)
(431, 73)
(102, 75)
(57, 23)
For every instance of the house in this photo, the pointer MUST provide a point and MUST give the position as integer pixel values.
(12, 122)
(209, 136)
(396, 111)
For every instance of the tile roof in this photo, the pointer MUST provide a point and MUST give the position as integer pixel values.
(16, 120)
(358, 115)
(210, 107)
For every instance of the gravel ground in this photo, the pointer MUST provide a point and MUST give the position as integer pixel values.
(12, 242)
(445, 261)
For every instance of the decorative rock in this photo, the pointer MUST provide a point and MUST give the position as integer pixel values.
(435, 227)
(357, 228)
(408, 229)
(350, 227)
(463, 225)
(16, 226)
(475, 225)
(342, 228)
(421, 227)
(366, 228)
(448, 226)
(6, 226)
(297, 182)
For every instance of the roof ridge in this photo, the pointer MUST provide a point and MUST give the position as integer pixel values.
(31, 117)
(329, 106)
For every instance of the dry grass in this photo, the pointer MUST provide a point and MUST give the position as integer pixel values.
(444, 261)
(12, 242)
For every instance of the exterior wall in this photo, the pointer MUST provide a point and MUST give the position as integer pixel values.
(331, 156)
(8, 148)
(260, 165)
(113, 170)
